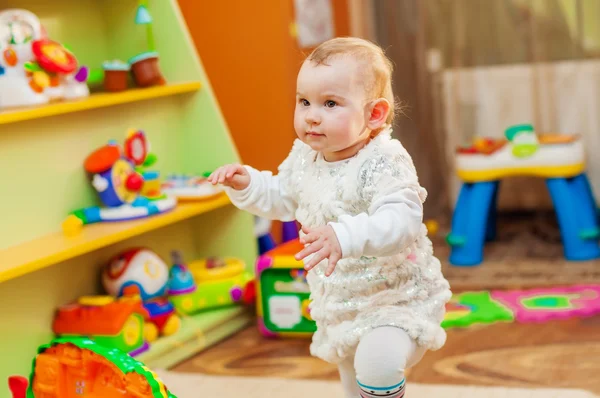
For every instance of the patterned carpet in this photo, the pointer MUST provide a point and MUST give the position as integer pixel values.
(193, 386)
(531, 357)
(527, 252)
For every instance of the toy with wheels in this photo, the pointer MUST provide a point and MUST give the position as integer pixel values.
(283, 295)
(118, 176)
(106, 320)
(34, 69)
(209, 283)
(141, 272)
(76, 367)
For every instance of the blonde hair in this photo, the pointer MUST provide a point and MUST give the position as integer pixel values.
(373, 56)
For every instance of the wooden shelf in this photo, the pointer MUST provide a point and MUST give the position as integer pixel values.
(54, 248)
(95, 101)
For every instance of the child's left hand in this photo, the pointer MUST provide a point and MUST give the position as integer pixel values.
(324, 242)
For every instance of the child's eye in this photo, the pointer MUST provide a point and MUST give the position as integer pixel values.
(304, 102)
(330, 104)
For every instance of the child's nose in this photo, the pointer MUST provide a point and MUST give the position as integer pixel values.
(312, 117)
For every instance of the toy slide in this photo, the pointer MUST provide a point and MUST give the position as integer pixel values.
(81, 368)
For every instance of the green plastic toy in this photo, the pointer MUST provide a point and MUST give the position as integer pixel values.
(469, 308)
(77, 367)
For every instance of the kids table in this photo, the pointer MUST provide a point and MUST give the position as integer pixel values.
(560, 159)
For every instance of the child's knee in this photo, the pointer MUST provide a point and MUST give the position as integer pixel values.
(384, 348)
(381, 359)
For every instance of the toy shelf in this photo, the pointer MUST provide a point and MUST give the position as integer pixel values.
(57, 247)
(197, 333)
(42, 154)
(100, 100)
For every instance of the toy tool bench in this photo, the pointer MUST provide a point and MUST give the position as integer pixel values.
(560, 159)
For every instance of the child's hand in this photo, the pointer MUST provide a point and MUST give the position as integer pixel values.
(232, 175)
(324, 243)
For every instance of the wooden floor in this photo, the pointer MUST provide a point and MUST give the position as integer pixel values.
(527, 253)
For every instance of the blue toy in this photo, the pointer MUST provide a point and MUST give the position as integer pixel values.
(181, 279)
(122, 184)
(560, 159)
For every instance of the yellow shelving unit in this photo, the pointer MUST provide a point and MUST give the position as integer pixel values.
(96, 101)
(42, 178)
(57, 247)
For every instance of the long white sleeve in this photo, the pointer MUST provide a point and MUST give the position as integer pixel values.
(266, 196)
(392, 223)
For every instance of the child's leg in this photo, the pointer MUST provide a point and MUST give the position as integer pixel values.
(348, 378)
(381, 359)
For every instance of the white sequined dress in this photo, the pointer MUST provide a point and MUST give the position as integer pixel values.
(388, 274)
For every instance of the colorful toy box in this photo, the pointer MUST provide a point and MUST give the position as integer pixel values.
(283, 295)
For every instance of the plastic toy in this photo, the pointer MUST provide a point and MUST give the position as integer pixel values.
(116, 74)
(145, 66)
(114, 173)
(560, 159)
(469, 308)
(283, 295)
(262, 232)
(432, 227)
(141, 272)
(75, 367)
(35, 69)
(190, 188)
(112, 323)
(145, 69)
(209, 283)
(545, 304)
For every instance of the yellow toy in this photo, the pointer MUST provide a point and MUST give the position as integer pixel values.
(209, 283)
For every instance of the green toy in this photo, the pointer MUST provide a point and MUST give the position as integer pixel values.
(523, 140)
(143, 17)
(77, 367)
(469, 308)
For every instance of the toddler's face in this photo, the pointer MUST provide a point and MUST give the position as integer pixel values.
(331, 115)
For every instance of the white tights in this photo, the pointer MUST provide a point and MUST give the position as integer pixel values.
(377, 369)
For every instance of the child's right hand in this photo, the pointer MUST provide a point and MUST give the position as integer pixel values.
(232, 175)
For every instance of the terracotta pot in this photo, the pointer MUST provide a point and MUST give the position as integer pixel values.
(115, 75)
(145, 69)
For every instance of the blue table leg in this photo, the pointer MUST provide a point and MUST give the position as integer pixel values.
(490, 233)
(470, 221)
(575, 209)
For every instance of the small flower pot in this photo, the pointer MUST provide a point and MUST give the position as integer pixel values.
(115, 75)
(146, 70)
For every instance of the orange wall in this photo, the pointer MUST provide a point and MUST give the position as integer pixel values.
(252, 60)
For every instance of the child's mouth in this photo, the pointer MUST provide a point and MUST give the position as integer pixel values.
(313, 134)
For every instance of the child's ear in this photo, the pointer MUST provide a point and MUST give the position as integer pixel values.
(378, 113)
